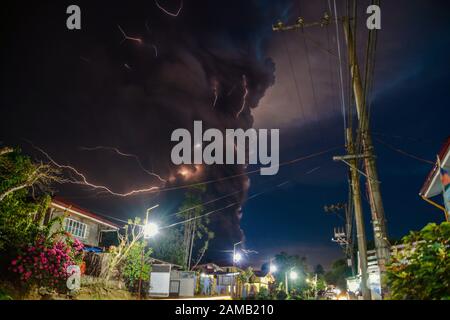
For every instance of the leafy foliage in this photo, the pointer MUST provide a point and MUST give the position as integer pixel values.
(285, 263)
(44, 263)
(128, 237)
(421, 270)
(263, 294)
(19, 213)
(19, 220)
(196, 234)
(168, 246)
(338, 274)
(137, 265)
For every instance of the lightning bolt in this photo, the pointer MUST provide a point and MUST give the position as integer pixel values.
(82, 179)
(168, 12)
(215, 91)
(128, 155)
(126, 37)
(244, 98)
(156, 50)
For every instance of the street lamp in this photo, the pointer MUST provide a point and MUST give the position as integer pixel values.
(273, 268)
(293, 275)
(149, 230)
(237, 257)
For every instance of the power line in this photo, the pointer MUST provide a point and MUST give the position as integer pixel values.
(294, 77)
(404, 152)
(221, 209)
(411, 139)
(338, 40)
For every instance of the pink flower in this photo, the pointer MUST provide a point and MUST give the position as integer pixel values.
(14, 262)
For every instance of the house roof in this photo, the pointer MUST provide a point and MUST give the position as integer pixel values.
(261, 273)
(432, 186)
(66, 205)
(158, 261)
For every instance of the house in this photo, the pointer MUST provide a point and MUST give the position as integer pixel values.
(432, 191)
(260, 279)
(207, 281)
(84, 225)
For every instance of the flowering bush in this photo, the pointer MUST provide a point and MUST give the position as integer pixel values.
(45, 262)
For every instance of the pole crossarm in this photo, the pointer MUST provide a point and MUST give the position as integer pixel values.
(301, 24)
(354, 157)
(351, 157)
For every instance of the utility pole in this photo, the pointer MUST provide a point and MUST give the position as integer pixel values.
(144, 244)
(373, 184)
(234, 267)
(359, 217)
(355, 179)
(286, 287)
(344, 237)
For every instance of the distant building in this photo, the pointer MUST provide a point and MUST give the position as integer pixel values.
(84, 225)
(216, 280)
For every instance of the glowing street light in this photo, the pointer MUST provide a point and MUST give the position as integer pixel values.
(273, 268)
(237, 257)
(293, 275)
(150, 230)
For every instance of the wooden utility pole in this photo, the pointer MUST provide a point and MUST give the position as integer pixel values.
(359, 217)
(376, 204)
(352, 157)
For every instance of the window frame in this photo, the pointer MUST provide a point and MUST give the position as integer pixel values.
(76, 228)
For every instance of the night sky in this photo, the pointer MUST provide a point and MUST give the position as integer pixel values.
(65, 90)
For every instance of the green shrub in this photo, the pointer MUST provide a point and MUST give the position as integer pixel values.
(421, 271)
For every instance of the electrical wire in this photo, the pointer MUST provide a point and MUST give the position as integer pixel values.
(404, 152)
(294, 77)
(338, 40)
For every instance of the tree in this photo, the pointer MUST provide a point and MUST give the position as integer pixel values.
(132, 233)
(338, 274)
(195, 230)
(421, 269)
(168, 246)
(285, 263)
(319, 270)
(137, 267)
(18, 172)
(243, 278)
(23, 199)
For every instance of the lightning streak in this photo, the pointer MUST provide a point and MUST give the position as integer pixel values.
(168, 12)
(128, 155)
(126, 37)
(216, 92)
(82, 180)
(244, 98)
(156, 50)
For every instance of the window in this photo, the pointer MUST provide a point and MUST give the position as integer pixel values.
(75, 228)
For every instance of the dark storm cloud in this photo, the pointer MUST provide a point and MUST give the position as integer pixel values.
(90, 88)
